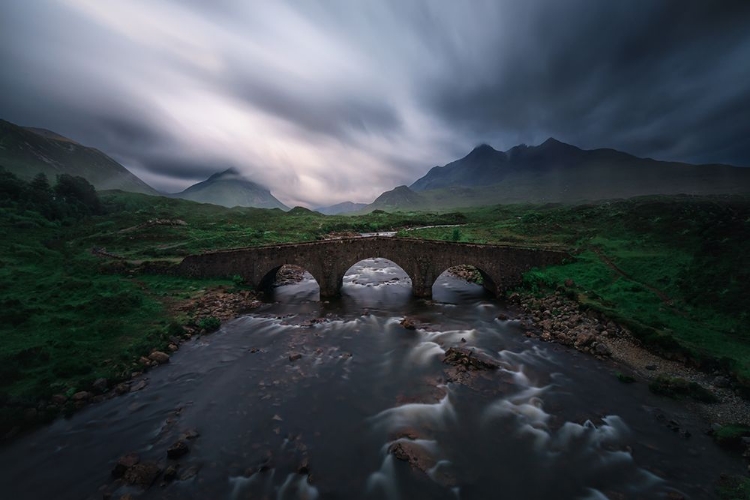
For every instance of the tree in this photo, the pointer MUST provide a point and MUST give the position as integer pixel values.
(78, 193)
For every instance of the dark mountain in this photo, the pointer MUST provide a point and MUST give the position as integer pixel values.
(555, 171)
(29, 151)
(230, 189)
(400, 198)
(341, 208)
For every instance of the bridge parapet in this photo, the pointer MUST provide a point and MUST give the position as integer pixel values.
(328, 261)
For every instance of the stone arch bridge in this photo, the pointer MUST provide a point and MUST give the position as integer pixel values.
(328, 261)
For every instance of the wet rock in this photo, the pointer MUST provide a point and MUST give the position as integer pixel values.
(159, 357)
(602, 349)
(143, 474)
(189, 434)
(100, 384)
(409, 323)
(124, 463)
(81, 396)
(59, 399)
(502, 317)
(137, 387)
(144, 361)
(170, 473)
(721, 382)
(470, 359)
(172, 347)
(417, 456)
(189, 473)
(122, 388)
(178, 449)
(295, 356)
(584, 339)
(651, 367)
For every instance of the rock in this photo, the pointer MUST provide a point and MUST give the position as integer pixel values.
(142, 474)
(602, 349)
(122, 388)
(170, 473)
(124, 463)
(472, 360)
(294, 356)
(417, 456)
(584, 339)
(189, 434)
(569, 283)
(721, 382)
(502, 317)
(409, 324)
(172, 347)
(159, 357)
(137, 387)
(178, 449)
(100, 384)
(144, 361)
(650, 367)
(81, 396)
(59, 399)
(189, 473)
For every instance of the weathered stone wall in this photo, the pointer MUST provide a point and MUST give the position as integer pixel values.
(328, 261)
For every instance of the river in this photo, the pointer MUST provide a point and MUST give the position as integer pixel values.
(365, 396)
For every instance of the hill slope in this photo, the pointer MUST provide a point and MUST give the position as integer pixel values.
(341, 208)
(230, 189)
(29, 151)
(555, 171)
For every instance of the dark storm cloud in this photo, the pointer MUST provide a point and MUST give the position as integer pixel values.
(646, 77)
(329, 101)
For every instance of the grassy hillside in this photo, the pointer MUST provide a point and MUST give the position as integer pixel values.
(675, 269)
(27, 152)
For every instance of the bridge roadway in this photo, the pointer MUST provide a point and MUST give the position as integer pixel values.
(502, 267)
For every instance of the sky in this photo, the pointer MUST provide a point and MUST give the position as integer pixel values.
(340, 100)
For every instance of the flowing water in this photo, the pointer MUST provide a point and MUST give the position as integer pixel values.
(550, 423)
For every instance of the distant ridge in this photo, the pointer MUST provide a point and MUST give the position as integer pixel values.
(341, 208)
(28, 151)
(558, 172)
(231, 189)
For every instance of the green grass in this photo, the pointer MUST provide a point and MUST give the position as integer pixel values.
(672, 269)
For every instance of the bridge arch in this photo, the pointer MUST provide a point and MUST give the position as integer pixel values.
(270, 278)
(329, 260)
(402, 279)
(348, 264)
(489, 281)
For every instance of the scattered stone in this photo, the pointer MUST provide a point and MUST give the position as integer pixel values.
(170, 473)
(122, 388)
(502, 317)
(178, 449)
(159, 357)
(81, 396)
(137, 387)
(417, 456)
(721, 382)
(189, 434)
(59, 399)
(602, 349)
(172, 347)
(189, 473)
(651, 367)
(409, 323)
(100, 384)
(294, 356)
(584, 339)
(469, 358)
(143, 474)
(124, 463)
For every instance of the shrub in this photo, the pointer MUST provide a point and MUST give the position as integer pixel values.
(209, 324)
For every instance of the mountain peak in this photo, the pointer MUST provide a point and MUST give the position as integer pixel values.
(482, 150)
